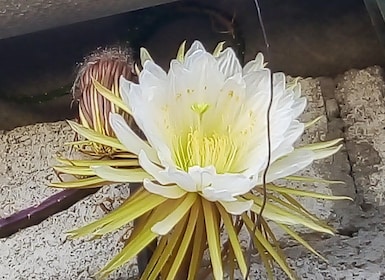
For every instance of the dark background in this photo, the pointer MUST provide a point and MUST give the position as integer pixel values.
(306, 37)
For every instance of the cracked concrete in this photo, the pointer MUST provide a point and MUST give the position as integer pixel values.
(352, 108)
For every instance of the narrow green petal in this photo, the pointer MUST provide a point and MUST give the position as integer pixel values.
(92, 227)
(74, 170)
(154, 258)
(313, 122)
(291, 206)
(265, 257)
(233, 236)
(326, 152)
(169, 191)
(86, 183)
(127, 212)
(300, 240)
(128, 252)
(144, 56)
(218, 49)
(199, 245)
(281, 215)
(181, 52)
(96, 137)
(321, 145)
(79, 143)
(306, 193)
(267, 231)
(126, 175)
(142, 238)
(187, 236)
(131, 212)
(163, 210)
(100, 162)
(137, 70)
(173, 241)
(270, 249)
(213, 238)
(140, 224)
(299, 206)
(163, 227)
(312, 180)
(231, 263)
(110, 96)
(293, 83)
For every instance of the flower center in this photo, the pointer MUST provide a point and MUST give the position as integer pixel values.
(201, 148)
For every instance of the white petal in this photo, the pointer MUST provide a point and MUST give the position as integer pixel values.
(126, 88)
(228, 63)
(182, 179)
(216, 187)
(129, 139)
(120, 175)
(199, 174)
(279, 83)
(237, 207)
(258, 85)
(213, 194)
(195, 46)
(254, 65)
(236, 184)
(290, 136)
(290, 164)
(298, 107)
(149, 118)
(154, 170)
(171, 191)
(152, 73)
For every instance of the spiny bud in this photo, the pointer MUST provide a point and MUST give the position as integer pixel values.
(105, 66)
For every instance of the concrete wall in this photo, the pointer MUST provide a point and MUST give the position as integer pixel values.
(24, 16)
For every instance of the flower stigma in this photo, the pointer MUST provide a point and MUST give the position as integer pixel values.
(205, 148)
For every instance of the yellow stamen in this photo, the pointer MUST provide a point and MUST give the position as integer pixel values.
(205, 150)
(202, 148)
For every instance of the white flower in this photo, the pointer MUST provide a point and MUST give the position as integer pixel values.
(206, 126)
(206, 146)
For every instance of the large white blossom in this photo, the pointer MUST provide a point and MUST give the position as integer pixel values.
(206, 126)
(201, 156)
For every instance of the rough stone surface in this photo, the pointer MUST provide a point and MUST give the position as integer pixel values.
(355, 252)
(361, 97)
(43, 251)
(315, 133)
